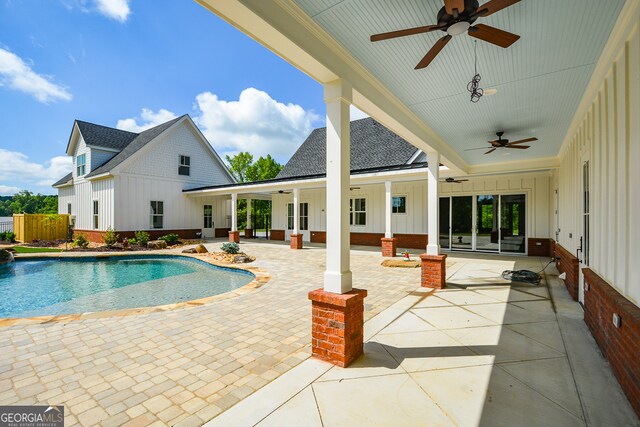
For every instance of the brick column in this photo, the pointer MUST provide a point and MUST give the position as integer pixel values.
(388, 246)
(234, 236)
(337, 329)
(296, 241)
(248, 233)
(434, 271)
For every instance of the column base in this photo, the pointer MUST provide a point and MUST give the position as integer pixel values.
(337, 328)
(296, 241)
(388, 246)
(234, 236)
(248, 233)
(434, 271)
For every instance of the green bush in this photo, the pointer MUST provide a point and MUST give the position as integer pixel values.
(133, 241)
(171, 239)
(110, 237)
(8, 236)
(142, 238)
(81, 241)
(230, 248)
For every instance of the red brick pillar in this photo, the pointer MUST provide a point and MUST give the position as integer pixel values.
(234, 236)
(248, 233)
(337, 329)
(434, 271)
(388, 246)
(296, 241)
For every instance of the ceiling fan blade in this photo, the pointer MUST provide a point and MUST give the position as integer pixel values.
(493, 6)
(522, 147)
(435, 50)
(522, 141)
(450, 5)
(406, 32)
(491, 151)
(479, 148)
(493, 35)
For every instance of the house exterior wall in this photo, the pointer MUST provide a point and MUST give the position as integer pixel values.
(100, 157)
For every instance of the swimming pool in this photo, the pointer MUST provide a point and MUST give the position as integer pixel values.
(41, 287)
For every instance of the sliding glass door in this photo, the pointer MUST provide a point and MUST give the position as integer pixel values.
(485, 222)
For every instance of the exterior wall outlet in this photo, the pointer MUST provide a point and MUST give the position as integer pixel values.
(616, 320)
(538, 243)
(586, 286)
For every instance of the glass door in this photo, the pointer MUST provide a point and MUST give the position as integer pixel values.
(445, 223)
(512, 223)
(462, 223)
(487, 223)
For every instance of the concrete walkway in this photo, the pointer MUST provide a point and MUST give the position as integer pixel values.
(481, 352)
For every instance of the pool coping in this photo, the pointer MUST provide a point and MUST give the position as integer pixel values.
(261, 278)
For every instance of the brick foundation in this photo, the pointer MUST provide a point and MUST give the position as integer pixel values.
(96, 236)
(434, 271)
(277, 235)
(337, 329)
(568, 263)
(620, 346)
(234, 236)
(539, 247)
(296, 241)
(388, 247)
(222, 232)
(248, 233)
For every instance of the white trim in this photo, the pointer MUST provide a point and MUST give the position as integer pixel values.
(415, 156)
(97, 147)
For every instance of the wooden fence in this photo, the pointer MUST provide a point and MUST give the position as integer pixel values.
(30, 227)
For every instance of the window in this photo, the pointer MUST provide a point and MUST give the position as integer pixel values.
(357, 212)
(69, 208)
(208, 216)
(303, 214)
(157, 214)
(399, 204)
(95, 215)
(81, 164)
(185, 166)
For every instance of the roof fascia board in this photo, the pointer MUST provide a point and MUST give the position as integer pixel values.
(98, 147)
(73, 136)
(625, 26)
(414, 157)
(99, 177)
(282, 27)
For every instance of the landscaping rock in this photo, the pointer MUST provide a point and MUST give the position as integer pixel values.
(117, 246)
(201, 249)
(189, 251)
(6, 257)
(157, 244)
(241, 259)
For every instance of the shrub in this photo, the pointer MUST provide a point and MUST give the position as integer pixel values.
(142, 238)
(230, 248)
(171, 239)
(110, 237)
(133, 241)
(8, 236)
(81, 241)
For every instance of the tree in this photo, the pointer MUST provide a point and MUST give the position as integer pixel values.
(239, 164)
(264, 168)
(27, 202)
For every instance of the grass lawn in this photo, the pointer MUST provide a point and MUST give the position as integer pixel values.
(28, 250)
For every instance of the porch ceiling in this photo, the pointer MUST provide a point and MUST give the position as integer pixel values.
(540, 79)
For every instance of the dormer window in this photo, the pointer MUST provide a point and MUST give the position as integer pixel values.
(185, 166)
(81, 164)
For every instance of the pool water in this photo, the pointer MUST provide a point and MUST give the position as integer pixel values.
(78, 285)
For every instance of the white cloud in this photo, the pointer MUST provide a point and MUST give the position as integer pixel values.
(255, 123)
(6, 190)
(15, 167)
(114, 9)
(149, 120)
(356, 114)
(17, 74)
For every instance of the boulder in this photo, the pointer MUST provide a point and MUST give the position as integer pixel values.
(117, 245)
(241, 259)
(157, 244)
(201, 249)
(189, 251)
(6, 257)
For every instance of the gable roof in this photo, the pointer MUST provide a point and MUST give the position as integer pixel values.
(64, 180)
(372, 146)
(136, 144)
(103, 136)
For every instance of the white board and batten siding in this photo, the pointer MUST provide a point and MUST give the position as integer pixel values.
(608, 136)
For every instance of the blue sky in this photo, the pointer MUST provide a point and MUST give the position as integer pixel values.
(132, 64)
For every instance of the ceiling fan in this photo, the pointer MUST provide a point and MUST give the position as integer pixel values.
(455, 18)
(453, 180)
(504, 143)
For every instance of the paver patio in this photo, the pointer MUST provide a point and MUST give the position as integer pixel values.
(427, 356)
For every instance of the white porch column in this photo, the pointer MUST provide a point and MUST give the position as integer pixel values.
(296, 208)
(433, 159)
(387, 197)
(337, 97)
(248, 213)
(234, 212)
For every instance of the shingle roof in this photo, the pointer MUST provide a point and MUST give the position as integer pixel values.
(372, 146)
(103, 136)
(140, 141)
(63, 180)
